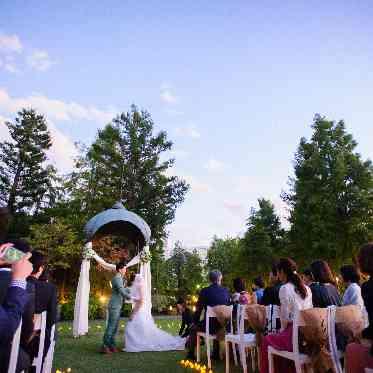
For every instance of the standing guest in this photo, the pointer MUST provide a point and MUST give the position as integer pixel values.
(240, 295)
(12, 308)
(258, 289)
(271, 293)
(324, 291)
(119, 293)
(213, 295)
(360, 356)
(45, 300)
(27, 315)
(5, 218)
(308, 277)
(294, 296)
(186, 318)
(352, 294)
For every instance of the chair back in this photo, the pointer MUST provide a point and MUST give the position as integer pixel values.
(272, 316)
(212, 312)
(295, 336)
(332, 339)
(15, 349)
(48, 361)
(40, 324)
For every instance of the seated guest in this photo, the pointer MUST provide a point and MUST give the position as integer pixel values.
(27, 315)
(258, 289)
(271, 293)
(186, 317)
(360, 356)
(352, 294)
(213, 295)
(324, 291)
(240, 296)
(308, 277)
(294, 296)
(45, 300)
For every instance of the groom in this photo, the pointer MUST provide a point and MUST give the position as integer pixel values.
(119, 293)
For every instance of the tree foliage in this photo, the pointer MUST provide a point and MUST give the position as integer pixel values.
(125, 162)
(264, 238)
(26, 181)
(331, 195)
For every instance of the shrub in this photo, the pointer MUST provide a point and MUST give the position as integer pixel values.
(96, 310)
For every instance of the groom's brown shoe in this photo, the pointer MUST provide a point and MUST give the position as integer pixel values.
(106, 350)
(114, 350)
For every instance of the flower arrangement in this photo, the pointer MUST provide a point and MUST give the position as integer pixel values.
(88, 252)
(145, 257)
(195, 366)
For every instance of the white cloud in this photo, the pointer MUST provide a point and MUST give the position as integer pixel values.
(236, 208)
(189, 131)
(179, 154)
(11, 68)
(54, 109)
(10, 43)
(40, 60)
(214, 165)
(197, 185)
(167, 96)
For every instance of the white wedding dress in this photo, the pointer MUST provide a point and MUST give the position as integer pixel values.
(141, 333)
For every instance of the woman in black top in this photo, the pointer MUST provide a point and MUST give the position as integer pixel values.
(324, 291)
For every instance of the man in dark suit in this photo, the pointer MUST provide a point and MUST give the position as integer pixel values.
(27, 315)
(45, 300)
(271, 293)
(213, 295)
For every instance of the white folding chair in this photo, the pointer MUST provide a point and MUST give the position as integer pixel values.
(40, 321)
(242, 340)
(335, 353)
(210, 313)
(48, 361)
(273, 317)
(299, 359)
(15, 349)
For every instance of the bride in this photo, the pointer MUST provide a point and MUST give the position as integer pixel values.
(141, 333)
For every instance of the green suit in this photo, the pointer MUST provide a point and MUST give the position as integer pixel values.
(119, 294)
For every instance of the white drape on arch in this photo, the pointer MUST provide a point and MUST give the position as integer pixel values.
(80, 324)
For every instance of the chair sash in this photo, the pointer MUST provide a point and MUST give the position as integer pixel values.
(313, 328)
(257, 319)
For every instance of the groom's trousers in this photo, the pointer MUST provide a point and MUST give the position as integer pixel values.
(111, 327)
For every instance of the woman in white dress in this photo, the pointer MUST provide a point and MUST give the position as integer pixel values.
(294, 296)
(141, 333)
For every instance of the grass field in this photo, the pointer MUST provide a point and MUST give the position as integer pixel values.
(82, 355)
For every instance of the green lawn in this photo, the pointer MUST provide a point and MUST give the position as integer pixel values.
(82, 355)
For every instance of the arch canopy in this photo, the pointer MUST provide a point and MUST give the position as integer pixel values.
(118, 221)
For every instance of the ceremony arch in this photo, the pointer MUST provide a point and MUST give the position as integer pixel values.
(116, 220)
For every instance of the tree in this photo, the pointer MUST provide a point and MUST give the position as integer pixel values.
(226, 256)
(331, 195)
(126, 162)
(184, 271)
(62, 248)
(26, 181)
(264, 238)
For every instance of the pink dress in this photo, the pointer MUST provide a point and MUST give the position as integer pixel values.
(290, 303)
(358, 358)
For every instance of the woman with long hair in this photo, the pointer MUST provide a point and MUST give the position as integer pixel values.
(324, 290)
(294, 296)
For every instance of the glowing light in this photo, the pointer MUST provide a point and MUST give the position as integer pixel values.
(170, 308)
(103, 299)
(194, 308)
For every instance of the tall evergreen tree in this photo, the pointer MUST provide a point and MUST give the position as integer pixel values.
(126, 162)
(26, 181)
(264, 238)
(331, 195)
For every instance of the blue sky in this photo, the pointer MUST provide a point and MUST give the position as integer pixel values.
(235, 84)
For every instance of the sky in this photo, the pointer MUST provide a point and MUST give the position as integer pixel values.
(235, 84)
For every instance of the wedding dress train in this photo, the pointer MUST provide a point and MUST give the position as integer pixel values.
(141, 333)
